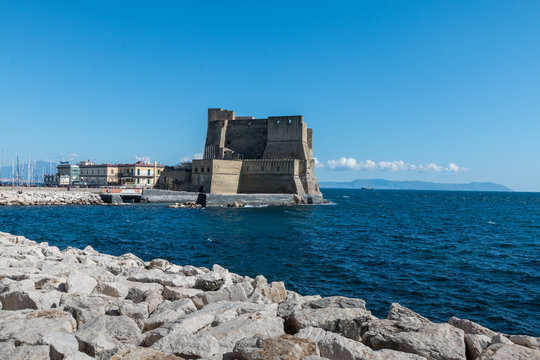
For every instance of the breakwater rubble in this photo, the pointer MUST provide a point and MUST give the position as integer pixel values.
(81, 304)
(48, 197)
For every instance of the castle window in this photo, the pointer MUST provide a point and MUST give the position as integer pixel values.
(247, 168)
(262, 168)
(290, 121)
(196, 169)
(278, 169)
(208, 169)
(228, 142)
(249, 123)
(202, 169)
(278, 121)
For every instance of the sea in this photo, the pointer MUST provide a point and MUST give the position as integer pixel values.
(473, 255)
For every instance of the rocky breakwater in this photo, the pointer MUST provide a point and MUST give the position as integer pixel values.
(48, 197)
(81, 304)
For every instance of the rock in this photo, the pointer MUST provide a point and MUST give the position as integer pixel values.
(524, 340)
(335, 302)
(104, 335)
(500, 339)
(470, 327)
(509, 352)
(30, 327)
(169, 311)
(80, 283)
(9, 285)
(141, 353)
(336, 347)
(114, 289)
(412, 333)
(175, 293)
(78, 356)
(32, 299)
(84, 308)
(61, 344)
(475, 344)
(211, 281)
(283, 347)
(26, 352)
(233, 292)
(188, 324)
(137, 312)
(348, 322)
(246, 325)
(188, 346)
(160, 264)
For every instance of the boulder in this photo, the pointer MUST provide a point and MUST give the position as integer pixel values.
(31, 299)
(104, 335)
(470, 327)
(26, 352)
(137, 312)
(509, 352)
(169, 311)
(188, 324)
(524, 340)
(61, 344)
(80, 283)
(30, 327)
(348, 322)
(336, 347)
(282, 347)
(246, 325)
(174, 293)
(409, 332)
(188, 346)
(114, 289)
(84, 308)
(233, 292)
(140, 353)
(475, 344)
(339, 302)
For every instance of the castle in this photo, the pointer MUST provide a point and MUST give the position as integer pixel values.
(247, 155)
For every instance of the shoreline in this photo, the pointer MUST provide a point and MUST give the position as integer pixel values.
(101, 306)
(94, 196)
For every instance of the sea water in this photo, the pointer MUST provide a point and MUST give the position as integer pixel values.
(473, 255)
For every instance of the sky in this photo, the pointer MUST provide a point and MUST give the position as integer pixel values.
(445, 91)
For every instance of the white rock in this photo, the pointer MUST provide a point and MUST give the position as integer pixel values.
(80, 283)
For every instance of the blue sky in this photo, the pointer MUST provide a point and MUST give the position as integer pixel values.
(411, 86)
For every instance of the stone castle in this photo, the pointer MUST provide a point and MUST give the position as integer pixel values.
(247, 155)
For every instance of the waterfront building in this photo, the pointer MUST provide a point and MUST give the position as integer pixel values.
(93, 174)
(88, 173)
(139, 174)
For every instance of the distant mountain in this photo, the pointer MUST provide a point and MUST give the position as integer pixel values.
(413, 185)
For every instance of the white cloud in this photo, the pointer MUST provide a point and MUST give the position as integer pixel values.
(344, 163)
(144, 159)
(72, 156)
(318, 164)
(198, 156)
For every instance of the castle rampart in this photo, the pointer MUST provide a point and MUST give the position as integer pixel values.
(247, 155)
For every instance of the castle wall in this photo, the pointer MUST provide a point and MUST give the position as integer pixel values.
(270, 176)
(246, 138)
(287, 138)
(216, 176)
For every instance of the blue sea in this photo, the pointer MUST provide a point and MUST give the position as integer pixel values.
(473, 255)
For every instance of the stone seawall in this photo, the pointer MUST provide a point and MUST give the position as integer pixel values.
(30, 196)
(81, 304)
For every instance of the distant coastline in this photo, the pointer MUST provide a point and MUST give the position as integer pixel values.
(381, 184)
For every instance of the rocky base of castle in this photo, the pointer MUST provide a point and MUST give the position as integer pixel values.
(81, 304)
(50, 197)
